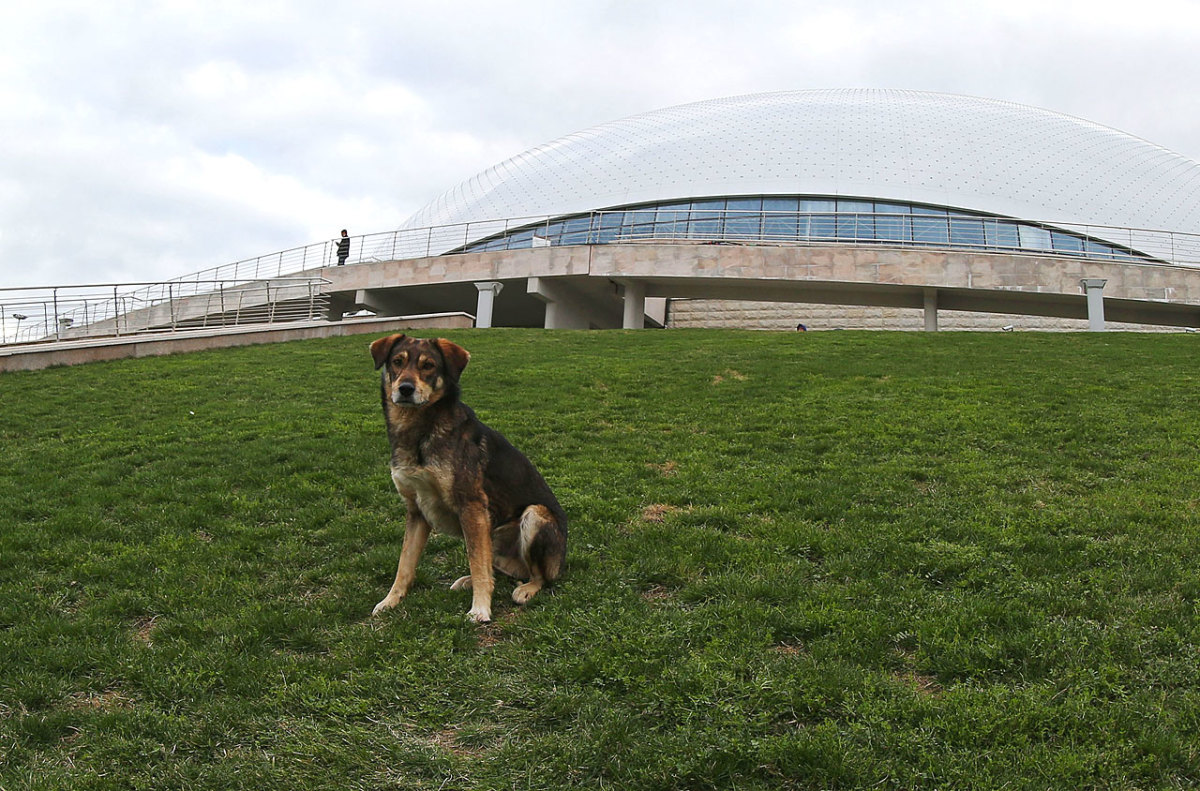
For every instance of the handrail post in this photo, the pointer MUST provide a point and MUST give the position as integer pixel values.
(57, 333)
(171, 303)
(116, 314)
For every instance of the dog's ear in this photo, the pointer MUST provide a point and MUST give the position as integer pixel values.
(456, 357)
(381, 348)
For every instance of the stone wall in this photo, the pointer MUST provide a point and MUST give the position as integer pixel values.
(735, 314)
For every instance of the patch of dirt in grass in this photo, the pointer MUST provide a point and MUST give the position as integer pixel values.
(143, 629)
(492, 634)
(729, 374)
(446, 740)
(789, 649)
(658, 512)
(926, 686)
(657, 593)
(108, 700)
(667, 468)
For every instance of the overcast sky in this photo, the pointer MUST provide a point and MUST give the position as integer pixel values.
(145, 140)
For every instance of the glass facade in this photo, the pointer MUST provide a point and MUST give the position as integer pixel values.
(803, 220)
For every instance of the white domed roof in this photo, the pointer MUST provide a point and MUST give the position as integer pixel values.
(968, 153)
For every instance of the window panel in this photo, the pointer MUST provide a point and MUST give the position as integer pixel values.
(744, 204)
(853, 225)
(893, 228)
(779, 219)
(611, 219)
(706, 219)
(966, 232)
(1034, 238)
(822, 227)
(704, 229)
(1099, 249)
(819, 218)
(930, 226)
(817, 205)
(639, 217)
(1066, 243)
(671, 213)
(780, 204)
(574, 237)
(1001, 234)
(743, 218)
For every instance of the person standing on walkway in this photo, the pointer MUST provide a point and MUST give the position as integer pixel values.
(343, 248)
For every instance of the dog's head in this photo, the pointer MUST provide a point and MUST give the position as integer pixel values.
(418, 371)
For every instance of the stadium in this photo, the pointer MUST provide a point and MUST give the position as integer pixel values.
(951, 193)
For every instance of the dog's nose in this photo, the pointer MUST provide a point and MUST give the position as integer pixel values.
(406, 389)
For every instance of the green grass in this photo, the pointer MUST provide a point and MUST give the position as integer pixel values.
(821, 560)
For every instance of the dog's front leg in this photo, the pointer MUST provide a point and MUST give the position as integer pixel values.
(477, 533)
(416, 533)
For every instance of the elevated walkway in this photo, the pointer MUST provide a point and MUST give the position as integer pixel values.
(609, 285)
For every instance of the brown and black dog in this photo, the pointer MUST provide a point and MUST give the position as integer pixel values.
(460, 477)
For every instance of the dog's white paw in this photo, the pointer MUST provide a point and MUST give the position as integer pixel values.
(387, 604)
(461, 584)
(480, 615)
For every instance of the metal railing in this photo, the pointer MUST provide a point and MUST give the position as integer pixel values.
(60, 313)
(617, 226)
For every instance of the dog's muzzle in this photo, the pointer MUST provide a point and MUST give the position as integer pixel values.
(404, 393)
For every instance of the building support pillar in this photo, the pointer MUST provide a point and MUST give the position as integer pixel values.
(635, 306)
(566, 309)
(487, 300)
(931, 310)
(381, 302)
(1094, 288)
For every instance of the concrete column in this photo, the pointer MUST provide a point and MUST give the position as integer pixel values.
(931, 310)
(635, 306)
(1094, 288)
(487, 300)
(567, 309)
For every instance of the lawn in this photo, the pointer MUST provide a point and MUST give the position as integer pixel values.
(801, 560)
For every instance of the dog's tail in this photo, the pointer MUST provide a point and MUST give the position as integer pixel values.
(544, 541)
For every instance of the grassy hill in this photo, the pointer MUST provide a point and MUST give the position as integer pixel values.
(811, 560)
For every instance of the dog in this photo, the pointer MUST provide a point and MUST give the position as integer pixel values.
(462, 478)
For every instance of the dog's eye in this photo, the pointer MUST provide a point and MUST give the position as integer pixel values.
(427, 365)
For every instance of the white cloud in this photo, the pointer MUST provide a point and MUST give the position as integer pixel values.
(145, 140)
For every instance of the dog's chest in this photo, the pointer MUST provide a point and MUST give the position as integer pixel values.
(425, 486)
